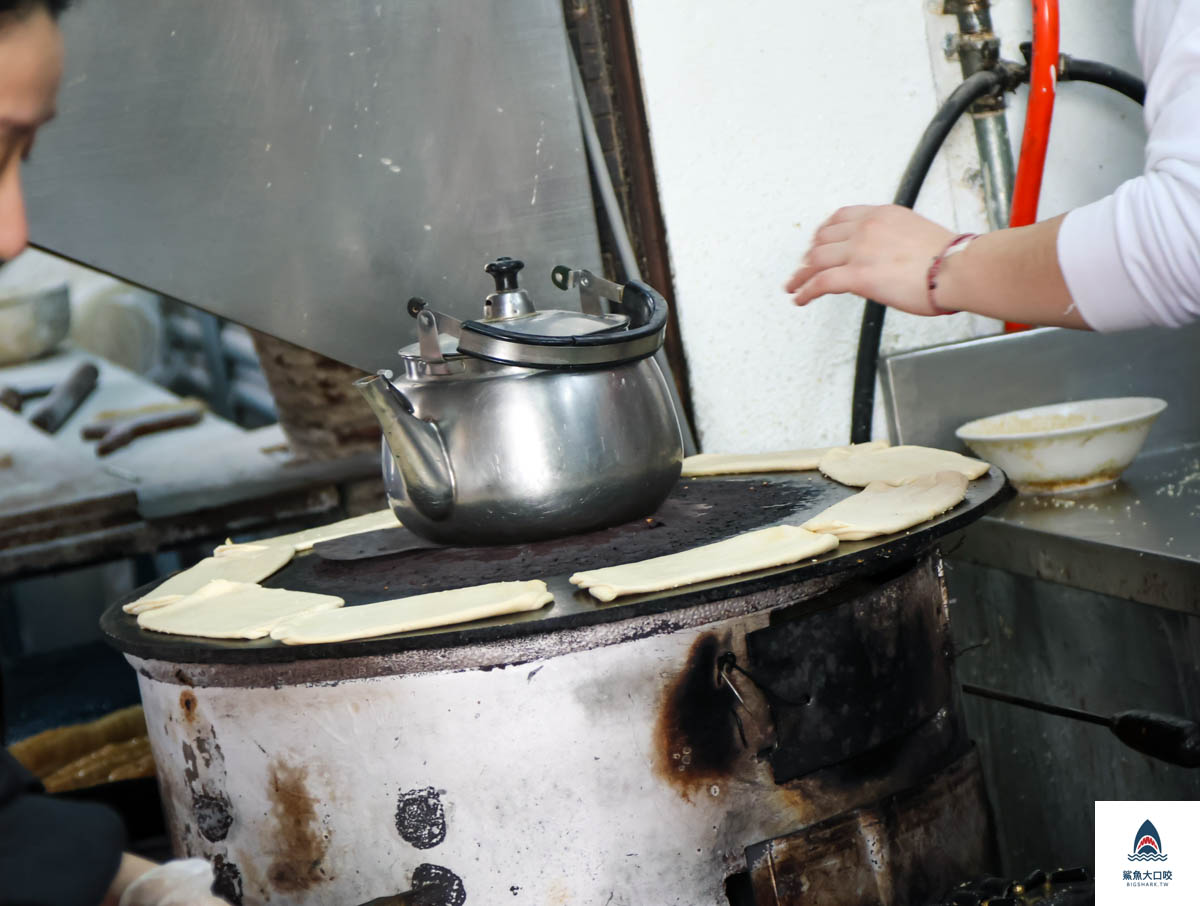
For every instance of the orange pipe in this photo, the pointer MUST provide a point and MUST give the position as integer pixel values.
(1043, 76)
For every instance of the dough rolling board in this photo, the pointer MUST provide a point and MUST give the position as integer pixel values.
(699, 511)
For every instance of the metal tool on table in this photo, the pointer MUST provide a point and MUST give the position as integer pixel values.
(61, 403)
(528, 424)
(1163, 736)
(15, 398)
(118, 428)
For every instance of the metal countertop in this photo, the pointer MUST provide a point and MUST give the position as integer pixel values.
(1138, 538)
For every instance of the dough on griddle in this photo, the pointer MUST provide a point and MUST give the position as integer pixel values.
(858, 467)
(304, 540)
(250, 563)
(441, 608)
(760, 549)
(234, 610)
(883, 507)
(782, 461)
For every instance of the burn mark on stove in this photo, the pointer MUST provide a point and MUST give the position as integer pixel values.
(214, 815)
(696, 740)
(433, 885)
(228, 880)
(187, 702)
(420, 818)
(297, 843)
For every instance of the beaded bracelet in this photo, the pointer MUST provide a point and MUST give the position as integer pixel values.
(957, 244)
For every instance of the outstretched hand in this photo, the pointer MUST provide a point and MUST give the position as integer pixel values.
(882, 252)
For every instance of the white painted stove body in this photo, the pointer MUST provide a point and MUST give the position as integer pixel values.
(566, 777)
(547, 772)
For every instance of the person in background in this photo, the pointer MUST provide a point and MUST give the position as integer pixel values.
(55, 852)
(1130, 260)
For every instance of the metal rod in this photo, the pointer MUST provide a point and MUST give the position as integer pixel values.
(979, 48)
(616, 219)
(1058, 711)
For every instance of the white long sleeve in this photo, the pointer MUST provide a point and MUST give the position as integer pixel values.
(1133, 259)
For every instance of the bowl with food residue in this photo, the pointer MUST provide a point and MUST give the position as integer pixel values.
(1066, 446)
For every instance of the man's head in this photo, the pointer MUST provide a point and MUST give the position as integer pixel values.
(30, 69)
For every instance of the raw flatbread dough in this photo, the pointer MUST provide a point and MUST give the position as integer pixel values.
(858, 467)
(883, 508)
(234, 610)
(251, 563)
(304, 540)
(761, 549)
(782, 461)
(440, 608)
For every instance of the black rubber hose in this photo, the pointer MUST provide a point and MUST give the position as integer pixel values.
(1073, 70)
(974, 87)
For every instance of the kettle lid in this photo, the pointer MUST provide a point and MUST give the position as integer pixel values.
(513, 332)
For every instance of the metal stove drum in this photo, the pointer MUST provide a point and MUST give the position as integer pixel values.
(787, 736)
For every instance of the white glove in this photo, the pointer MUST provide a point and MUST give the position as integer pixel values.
(184, 882)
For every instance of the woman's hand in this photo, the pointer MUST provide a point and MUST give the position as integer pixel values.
(882, 252)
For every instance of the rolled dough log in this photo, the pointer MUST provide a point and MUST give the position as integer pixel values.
(304, 540)
(250, 563)
(858, 467)
(761, 549)
(781, 461)
(234, 610)
(441, 608)
(883, 508)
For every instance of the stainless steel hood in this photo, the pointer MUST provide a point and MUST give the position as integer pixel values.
(305, 166)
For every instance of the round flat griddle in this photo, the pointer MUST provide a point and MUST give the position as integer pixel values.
(699, 511)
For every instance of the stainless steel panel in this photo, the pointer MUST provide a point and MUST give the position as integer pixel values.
(305, 166)
(930, 392)
(1063, 646)
(1138, 539)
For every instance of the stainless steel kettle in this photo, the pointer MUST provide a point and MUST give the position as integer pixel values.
(528, 424)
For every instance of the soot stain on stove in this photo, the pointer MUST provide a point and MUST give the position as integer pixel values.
(695, 737)
(420, 818)
(227, 881)
(433, 885)
(697, 512)
(297, 843)
(212, 810)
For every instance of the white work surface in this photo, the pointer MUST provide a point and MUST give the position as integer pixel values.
(174, 474)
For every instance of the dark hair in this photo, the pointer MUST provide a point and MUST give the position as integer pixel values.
(17, 8)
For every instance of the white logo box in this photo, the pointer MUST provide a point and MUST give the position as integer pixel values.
(1148, 852)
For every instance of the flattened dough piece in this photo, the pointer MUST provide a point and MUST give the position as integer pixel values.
(761, 549)
(251, 563)
(781, 461)
(304, 540)
(441, 608)
(234, 610)
(883, 508)
(858, 467)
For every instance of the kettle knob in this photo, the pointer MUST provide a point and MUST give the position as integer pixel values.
(504, 272)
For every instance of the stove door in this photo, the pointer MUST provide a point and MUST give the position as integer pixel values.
(869, 666)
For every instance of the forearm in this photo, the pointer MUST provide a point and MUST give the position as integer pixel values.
(1012, 275)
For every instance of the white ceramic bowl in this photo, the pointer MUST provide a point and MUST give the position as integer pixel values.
(32, 323)
(1067, 446)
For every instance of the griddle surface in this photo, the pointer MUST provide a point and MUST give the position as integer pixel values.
(699, 511)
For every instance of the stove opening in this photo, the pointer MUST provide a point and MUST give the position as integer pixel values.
(738, 890)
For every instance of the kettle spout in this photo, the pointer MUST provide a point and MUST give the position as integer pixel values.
(416, 447)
